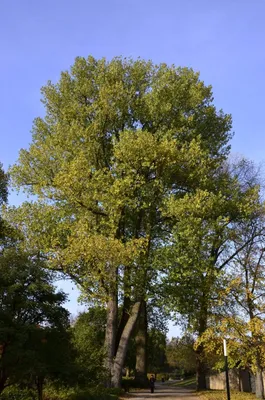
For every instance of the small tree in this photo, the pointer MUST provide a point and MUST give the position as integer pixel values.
(156, 351)
(32, 321)
(181, 355)
(241, 312)
(88, 333)
(203, 246)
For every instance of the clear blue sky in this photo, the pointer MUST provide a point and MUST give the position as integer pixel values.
(224, 40)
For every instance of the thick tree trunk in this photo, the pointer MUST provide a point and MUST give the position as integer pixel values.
(119, 360)
(259, 384)
(2, 385)
(201, 369)
(110, 336)
(259, 378)
(3, 379)
(141, 346)
(124, 319)
(201, 366)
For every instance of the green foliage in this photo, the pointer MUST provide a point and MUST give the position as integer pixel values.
(120, 144)
(3, 185)
(203, 243)
(156, 350)
(132, 383)
(3, 199)
(75, 393)
(239, 312)
(61, 393)
(17, 393)
(88, 334)
(33, 322)
(180, 354)
(117, 138)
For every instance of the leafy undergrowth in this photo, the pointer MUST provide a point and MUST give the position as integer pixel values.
(221, 395)
(50, 393)
(89, 394)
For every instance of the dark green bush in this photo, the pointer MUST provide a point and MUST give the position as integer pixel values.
(61, 393)
(96, 393)
(132, 383)
(160, 375)
(16, 393)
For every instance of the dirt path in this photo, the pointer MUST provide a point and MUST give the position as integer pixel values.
(165, 392)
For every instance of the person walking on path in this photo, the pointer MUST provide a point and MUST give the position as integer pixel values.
(152, 383)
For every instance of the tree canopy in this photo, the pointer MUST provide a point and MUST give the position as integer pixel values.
(128, 155)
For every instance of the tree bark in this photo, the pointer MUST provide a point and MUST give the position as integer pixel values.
(119, 360)
(259, 384)
(251, 307)
(2, 384)
(40, 382)
(3, 375)
(124, 319)
(110, 336)
(201, 367)
(259, 377)
(141, 346)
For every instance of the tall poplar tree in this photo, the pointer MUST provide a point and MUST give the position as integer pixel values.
(118, 139)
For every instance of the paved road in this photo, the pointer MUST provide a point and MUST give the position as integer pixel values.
(165, 392)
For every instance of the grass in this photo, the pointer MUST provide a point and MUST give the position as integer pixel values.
(221, 395)
(214, 394)
(189, 383)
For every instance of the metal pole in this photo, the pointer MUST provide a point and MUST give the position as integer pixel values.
(226, 372)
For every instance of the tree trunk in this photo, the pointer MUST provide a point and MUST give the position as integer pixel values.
(119, 360)
(259, 384)
(124, 319)
(40, 381)
(141, 346)
(201, 369)
(2, 385)
(259, 378)
(259, 375)
(201, 366)
(110, 336)
(3, 379)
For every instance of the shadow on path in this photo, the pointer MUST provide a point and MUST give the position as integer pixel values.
(164, 392)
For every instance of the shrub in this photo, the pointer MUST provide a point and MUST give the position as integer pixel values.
(16, 393)
(61, 393)
(161, 375)
(96, 393)
(131, 382)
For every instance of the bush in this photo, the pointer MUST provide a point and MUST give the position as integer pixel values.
(52, 392)
(96, 393)
(16, 393)
(61, 393)
(161, 375)
(133, 383)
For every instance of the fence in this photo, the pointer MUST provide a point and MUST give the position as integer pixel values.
(241, 380)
